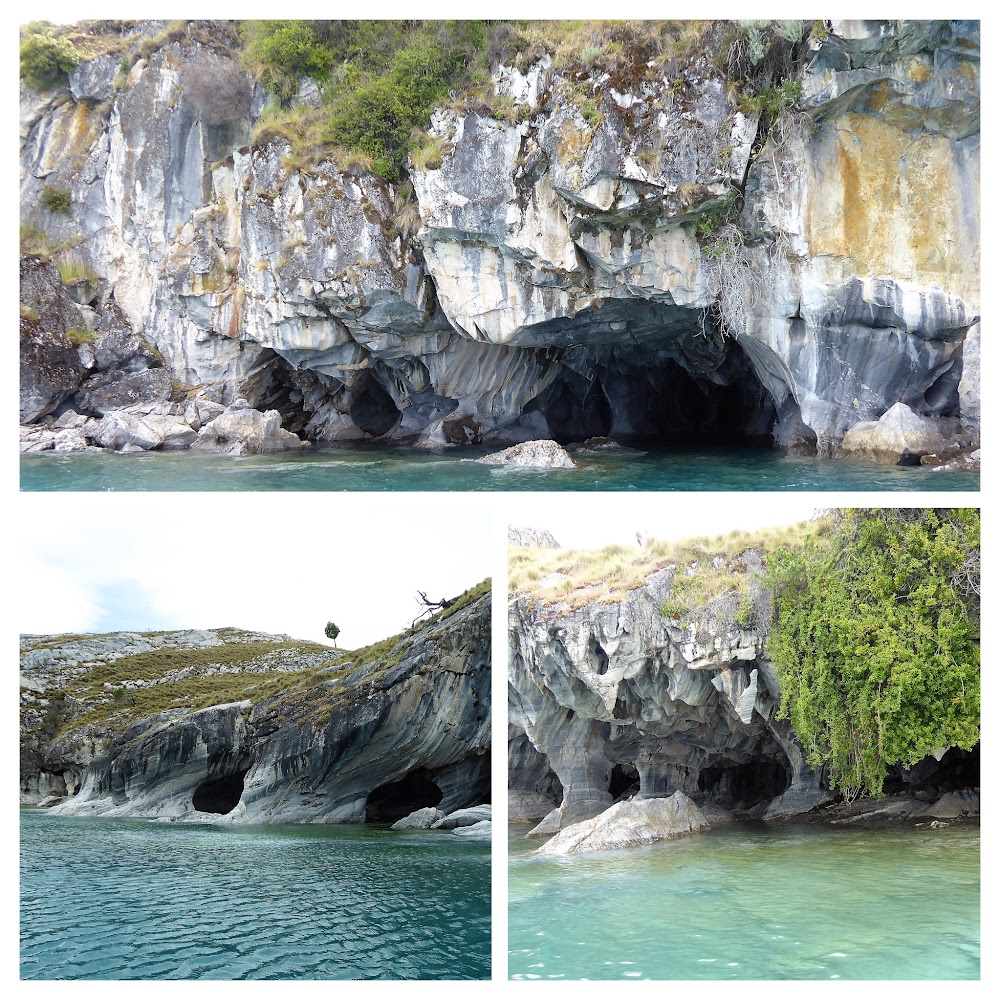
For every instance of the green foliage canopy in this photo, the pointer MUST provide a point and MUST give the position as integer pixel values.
(45, 60)
(331, 631)
(876, 640)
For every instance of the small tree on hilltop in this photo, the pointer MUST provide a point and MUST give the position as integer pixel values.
(332, 632)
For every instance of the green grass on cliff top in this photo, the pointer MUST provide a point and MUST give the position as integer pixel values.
(235, 671)
(606, 575)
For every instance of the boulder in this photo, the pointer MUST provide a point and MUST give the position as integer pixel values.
(952, 805)
(464, 817)
(483, 830)
(120, 429)
(631, 823)
(114, 390)
(242, 430)
(420, 819)
(532, 455)
(36, 438)
(898, 437)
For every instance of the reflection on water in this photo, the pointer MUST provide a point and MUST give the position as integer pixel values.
(752, 902)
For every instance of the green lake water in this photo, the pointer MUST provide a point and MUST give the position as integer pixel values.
(377, 468)
(125, 899)
(752, 902)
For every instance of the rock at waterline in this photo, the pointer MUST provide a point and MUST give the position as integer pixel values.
(532, 455)
(464, 817)
(482, 830)
(630, 824)
(419, 819)
(897, 436)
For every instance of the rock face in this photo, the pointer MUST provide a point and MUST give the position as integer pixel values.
(373, 742)
(898, 436)
(629, 824)
(558, 284)
(532, 455)
(616, 702)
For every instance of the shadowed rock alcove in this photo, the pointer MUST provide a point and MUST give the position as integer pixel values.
(220, 795)
(397, 799)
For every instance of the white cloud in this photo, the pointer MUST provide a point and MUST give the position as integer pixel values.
(274, 562)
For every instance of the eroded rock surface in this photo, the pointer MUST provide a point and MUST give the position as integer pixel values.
(631, 700)
(556, 284)
(406, 731)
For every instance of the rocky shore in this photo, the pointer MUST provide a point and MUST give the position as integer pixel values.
(629, 258)
(236, 727)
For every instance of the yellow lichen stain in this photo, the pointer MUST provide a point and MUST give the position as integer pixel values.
(920, 70)
(891, 203)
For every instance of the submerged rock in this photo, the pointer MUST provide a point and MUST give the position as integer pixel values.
(630, 824)
(532, 455)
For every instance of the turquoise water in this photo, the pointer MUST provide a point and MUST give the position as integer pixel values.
(375, 467)
(752, 902)
(120, 899)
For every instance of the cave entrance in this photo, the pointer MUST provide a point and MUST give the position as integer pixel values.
(220, 795)
(743, 786)
(373, 410)
(652, 400)
(397, 799)
(624, 779)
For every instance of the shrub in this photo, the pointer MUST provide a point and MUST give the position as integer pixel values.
(876, 641)
(54, 199)
(45, 60)
(282, 52)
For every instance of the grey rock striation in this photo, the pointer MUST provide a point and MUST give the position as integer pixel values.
(609, 702)
(375, 741)
(557, 285)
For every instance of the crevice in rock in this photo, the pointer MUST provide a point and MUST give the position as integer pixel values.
(624, 782)
(397, 799)
(744, 785)
(373, 409)
(219, 795)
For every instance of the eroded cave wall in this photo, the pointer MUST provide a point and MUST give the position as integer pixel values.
(556, 285)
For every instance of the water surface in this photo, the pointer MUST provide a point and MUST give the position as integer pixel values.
(126, 899)
(377, 468)
(752, 902)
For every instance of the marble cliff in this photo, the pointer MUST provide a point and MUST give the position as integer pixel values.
(619, 701)
(134, 724)
(557, 281)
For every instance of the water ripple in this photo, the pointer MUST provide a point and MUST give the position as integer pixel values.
(127, 900)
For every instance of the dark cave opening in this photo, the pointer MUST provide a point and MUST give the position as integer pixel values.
(397, 799)
(600, 657)
(624, 779)
(743, 786)
(219, 795)
(373, 410)
(929, 778)
(656, 400)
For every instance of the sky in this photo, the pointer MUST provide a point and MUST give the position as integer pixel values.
(280, 563)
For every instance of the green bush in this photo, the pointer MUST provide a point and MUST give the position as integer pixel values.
(282, 52)
(45, 60)
(54, 199)
(876, 641)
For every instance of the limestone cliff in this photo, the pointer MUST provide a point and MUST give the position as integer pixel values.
(665, 686)
(559, 275)
(231, 726)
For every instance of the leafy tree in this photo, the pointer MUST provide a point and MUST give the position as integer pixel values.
(332, 632)
(46, 60)
(876, 640)
(282, 52)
